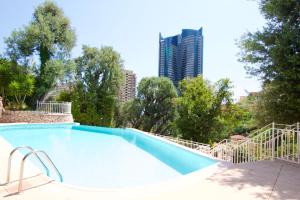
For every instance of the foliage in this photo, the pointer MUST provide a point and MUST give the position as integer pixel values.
(49, 37)
(130, 113)
(246, 111)
(119, 115)
(65, 96)
(273, 55)
(5, 76)
(99, 77)
(21, 87)
(203, 109)
(16, 83)
(154, 108)
(241, 120)
(273, 108)
(156, 98)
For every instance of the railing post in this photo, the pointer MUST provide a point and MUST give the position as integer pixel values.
(273, 140)
(248, 151)
(298, 142)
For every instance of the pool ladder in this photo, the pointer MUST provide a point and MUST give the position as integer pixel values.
(36, 154)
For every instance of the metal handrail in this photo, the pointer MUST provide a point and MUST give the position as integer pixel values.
(273, 125)
(205, 148)
(258, 131)
(279, 141)
(178, 139)
(36, 154)
(222, 141)
(10, 159)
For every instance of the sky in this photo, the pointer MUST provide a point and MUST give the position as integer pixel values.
(132, 28)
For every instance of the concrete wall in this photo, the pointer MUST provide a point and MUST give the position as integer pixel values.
(34, 117)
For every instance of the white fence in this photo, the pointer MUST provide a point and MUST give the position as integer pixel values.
(54, 107)
(275, 141)
(204, 148)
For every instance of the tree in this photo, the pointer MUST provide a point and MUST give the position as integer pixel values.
(238, 120)
(20, 88)
(245, 111)
(5, 76)
(129, 114)
(273, 55)
(16, 83)
(133, 111)
(202, 109)
(48, 36)
(272, 108)
(153, 110)
(99, 77)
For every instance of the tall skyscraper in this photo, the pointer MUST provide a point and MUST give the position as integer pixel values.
(128, 88)
(181, 56)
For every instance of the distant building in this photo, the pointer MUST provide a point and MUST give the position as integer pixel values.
(251, 95)
(128, 88)
(181, 56)
(242, 98)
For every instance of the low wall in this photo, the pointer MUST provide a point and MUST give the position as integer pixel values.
(34, 117)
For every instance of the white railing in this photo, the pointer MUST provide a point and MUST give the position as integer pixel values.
(221, 150)
(278, 141)
(274, 141)
(272, 144)
(204, 148)
(54, 107)
(272, 125)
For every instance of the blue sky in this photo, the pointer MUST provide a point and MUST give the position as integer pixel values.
(132, 27)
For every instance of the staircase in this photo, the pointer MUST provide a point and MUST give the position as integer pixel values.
(274, 141)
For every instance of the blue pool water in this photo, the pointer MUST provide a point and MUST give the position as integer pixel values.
(106, 157)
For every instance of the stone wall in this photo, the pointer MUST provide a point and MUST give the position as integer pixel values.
(34, 117)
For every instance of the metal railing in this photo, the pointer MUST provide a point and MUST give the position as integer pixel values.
(204, 148)
(10, 159)
(275, 141)
(271, 144)
(36, 154)
(54, 107)
(31, 152)
(222, 150)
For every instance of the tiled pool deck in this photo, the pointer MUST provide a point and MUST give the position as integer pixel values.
(260, 180)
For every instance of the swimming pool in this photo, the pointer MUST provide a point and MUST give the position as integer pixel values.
(92, 156)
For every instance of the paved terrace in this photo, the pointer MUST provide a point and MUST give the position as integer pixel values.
(260, 180)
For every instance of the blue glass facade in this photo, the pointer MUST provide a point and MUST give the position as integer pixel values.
(181, 56)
